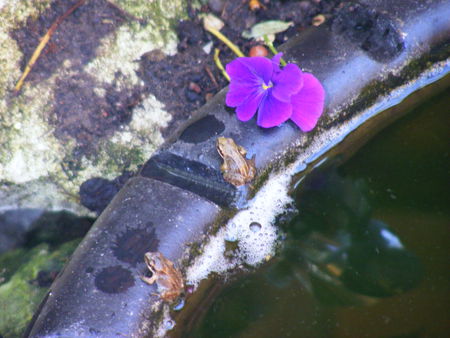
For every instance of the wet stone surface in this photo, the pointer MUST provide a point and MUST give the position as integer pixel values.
(98, 115)
(202, 130)
(78, 112)
(114, 279)
(132, 244)
(372, 31)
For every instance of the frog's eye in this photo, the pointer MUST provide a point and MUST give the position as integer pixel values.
(156, 262)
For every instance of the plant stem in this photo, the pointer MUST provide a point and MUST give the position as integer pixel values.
(225, 40)
(219, 64)
(273, 49)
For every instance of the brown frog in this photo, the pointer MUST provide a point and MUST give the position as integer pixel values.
(168, 278)
(236, 169)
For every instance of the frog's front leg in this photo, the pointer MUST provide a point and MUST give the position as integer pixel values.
(234, 178)
(224, 167)
(242, 151)
(149, 280)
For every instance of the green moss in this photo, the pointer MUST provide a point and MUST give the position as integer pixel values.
(15, 13)
(261, 179)
(19, 295)
(411, 71)
(117, 158)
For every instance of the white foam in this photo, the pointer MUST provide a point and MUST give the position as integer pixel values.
(166, 324)
(254, 247)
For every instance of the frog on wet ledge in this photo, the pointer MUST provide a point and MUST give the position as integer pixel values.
(168, 278)
(236, 169)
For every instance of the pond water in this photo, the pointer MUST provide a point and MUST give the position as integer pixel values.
(367, 253)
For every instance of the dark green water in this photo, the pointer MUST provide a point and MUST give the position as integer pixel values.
(368, 253)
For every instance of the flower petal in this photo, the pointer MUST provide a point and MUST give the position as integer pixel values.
(260, 66)
(240, 74)
(287, 82)
(246, 110)
(276, 61)
(273, 112)
(239, 92)
(307, 104)
(250, 71)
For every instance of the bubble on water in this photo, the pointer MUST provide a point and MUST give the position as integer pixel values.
(255, 226)
(169, 324)
(179, 305)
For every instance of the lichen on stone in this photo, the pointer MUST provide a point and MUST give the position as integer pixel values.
(120, 50)
(36, 165)
(29, 149)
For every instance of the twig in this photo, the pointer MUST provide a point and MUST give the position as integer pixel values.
(224, 10)
(211, 76)
(219, 64)
(43, 43)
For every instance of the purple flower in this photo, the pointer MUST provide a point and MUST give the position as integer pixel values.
(259, 84)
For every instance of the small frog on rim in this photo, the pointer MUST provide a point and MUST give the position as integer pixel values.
(168, 278)
(236, 169)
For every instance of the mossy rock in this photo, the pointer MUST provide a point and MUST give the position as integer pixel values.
(24, 279)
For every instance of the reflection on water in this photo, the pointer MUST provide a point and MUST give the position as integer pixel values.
(367, 252)
(338, 249)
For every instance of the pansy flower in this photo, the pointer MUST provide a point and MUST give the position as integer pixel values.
(278, 94)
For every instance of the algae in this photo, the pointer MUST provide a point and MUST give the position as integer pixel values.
(20, 293)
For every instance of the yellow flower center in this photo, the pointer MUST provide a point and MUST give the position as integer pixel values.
(270, 85)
